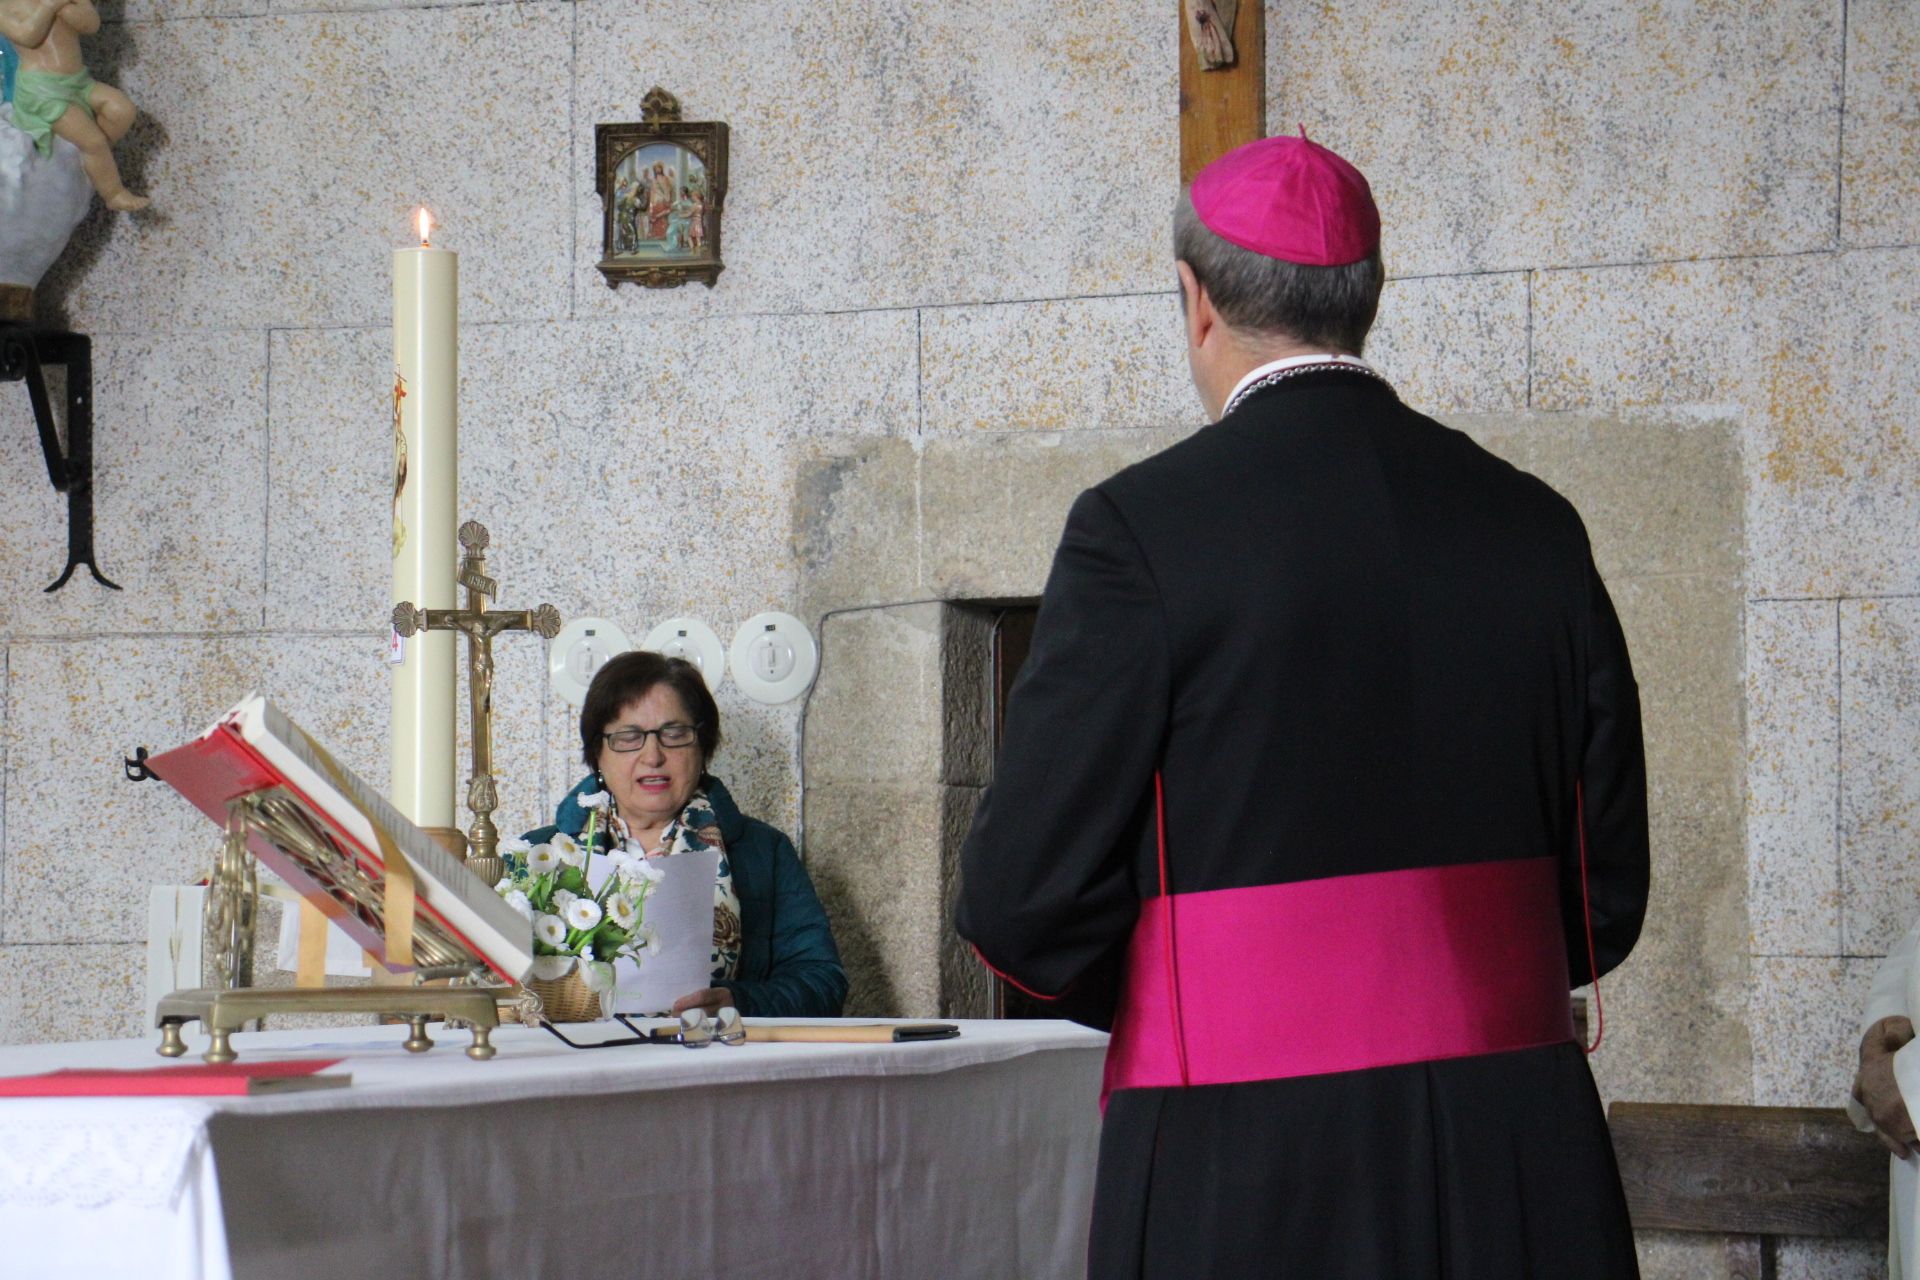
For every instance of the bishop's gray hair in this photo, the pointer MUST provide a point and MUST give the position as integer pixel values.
(1257, 295)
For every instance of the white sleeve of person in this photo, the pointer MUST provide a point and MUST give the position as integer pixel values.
(1893, 996)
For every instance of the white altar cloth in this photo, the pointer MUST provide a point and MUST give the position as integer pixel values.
(971, 1157)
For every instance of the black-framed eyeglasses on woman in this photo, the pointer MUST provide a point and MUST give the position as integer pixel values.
(671, 736)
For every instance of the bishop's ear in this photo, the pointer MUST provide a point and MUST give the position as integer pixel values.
(1195, 306)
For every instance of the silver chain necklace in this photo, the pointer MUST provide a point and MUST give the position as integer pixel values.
(1281, 375)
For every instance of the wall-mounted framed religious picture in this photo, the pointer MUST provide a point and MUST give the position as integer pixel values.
(662, 185)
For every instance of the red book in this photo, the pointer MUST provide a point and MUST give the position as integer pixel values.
(223, 1080)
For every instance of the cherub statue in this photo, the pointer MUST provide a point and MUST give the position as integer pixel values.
(54, 96)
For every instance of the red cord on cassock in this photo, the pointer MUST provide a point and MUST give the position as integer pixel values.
(1586, 907)
(1173, 961)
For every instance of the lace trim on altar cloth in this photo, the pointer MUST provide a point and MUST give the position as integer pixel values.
(59, 1157)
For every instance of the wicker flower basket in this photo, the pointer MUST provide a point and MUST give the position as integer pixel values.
(566, 999)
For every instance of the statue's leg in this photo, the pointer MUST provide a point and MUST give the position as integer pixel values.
(113, 111)
(96, 157)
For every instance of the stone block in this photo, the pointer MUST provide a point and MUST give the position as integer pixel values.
(1454, 344)
(681, 452)
(1806, 1028)
(1677, 1009)
(967, 695)
(1067, 365)
(1656, 497)
(905, 696)
(156, 10)
(1807, 353)
(302, 6)
(1683, 633)
(966, 984)
(992, 511)
(1793, 777)
(82, 846)
(1810, 1259)
(87, 991)
(759, 759)
(179, 450)
(1514, 137)
(875, 855)
(331, 474)
(876, 713)
(561, 766)
(336, 688)
(899, 154)
(1680, 1255)
(856, 525)
(349, 122)
(1879, 192)
(6, 774)
(1880, 772)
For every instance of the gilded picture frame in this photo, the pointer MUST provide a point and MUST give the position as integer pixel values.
(663, 186)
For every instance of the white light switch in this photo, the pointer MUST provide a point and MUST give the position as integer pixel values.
(774, 657)
(582, 648)
(693, 640)
(771, 655)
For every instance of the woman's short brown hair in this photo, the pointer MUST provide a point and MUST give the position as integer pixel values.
(629, 678)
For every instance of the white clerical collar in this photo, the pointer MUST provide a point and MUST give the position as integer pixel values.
(1274, 370)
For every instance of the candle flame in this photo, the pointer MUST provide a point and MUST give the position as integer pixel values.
(426, 227)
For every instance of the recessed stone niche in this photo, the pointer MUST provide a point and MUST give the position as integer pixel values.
(908, 549)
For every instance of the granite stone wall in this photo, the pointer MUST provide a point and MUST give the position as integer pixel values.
(1682, 238)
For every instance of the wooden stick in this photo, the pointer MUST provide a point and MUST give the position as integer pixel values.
(860, 1033)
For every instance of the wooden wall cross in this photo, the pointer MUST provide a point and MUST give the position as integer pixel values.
(1224, 107)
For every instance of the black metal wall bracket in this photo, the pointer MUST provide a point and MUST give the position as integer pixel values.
(25, 351)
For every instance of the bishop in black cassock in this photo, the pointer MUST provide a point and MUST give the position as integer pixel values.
(1322, 785)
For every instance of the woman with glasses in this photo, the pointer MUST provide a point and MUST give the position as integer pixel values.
(648, 730)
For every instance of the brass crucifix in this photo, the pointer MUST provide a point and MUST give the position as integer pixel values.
(479, 625)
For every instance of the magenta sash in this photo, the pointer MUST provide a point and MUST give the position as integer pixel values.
(1342, 974)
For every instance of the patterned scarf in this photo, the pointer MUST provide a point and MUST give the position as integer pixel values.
(697, 828)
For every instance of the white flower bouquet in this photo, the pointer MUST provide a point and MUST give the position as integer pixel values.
(579, 931)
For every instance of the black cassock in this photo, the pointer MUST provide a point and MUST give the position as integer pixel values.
(1373, 665)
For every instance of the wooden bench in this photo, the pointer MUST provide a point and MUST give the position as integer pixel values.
(1752, 1174)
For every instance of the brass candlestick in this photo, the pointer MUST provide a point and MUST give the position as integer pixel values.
(479, 625)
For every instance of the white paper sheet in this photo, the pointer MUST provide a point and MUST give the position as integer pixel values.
(680, 912)
(345, 957)
(174, 941)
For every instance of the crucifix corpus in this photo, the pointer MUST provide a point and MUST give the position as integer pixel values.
(1211, 24)
(479, 625)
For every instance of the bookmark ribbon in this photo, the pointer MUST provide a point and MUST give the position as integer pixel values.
(397, 886)
(310, 968)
